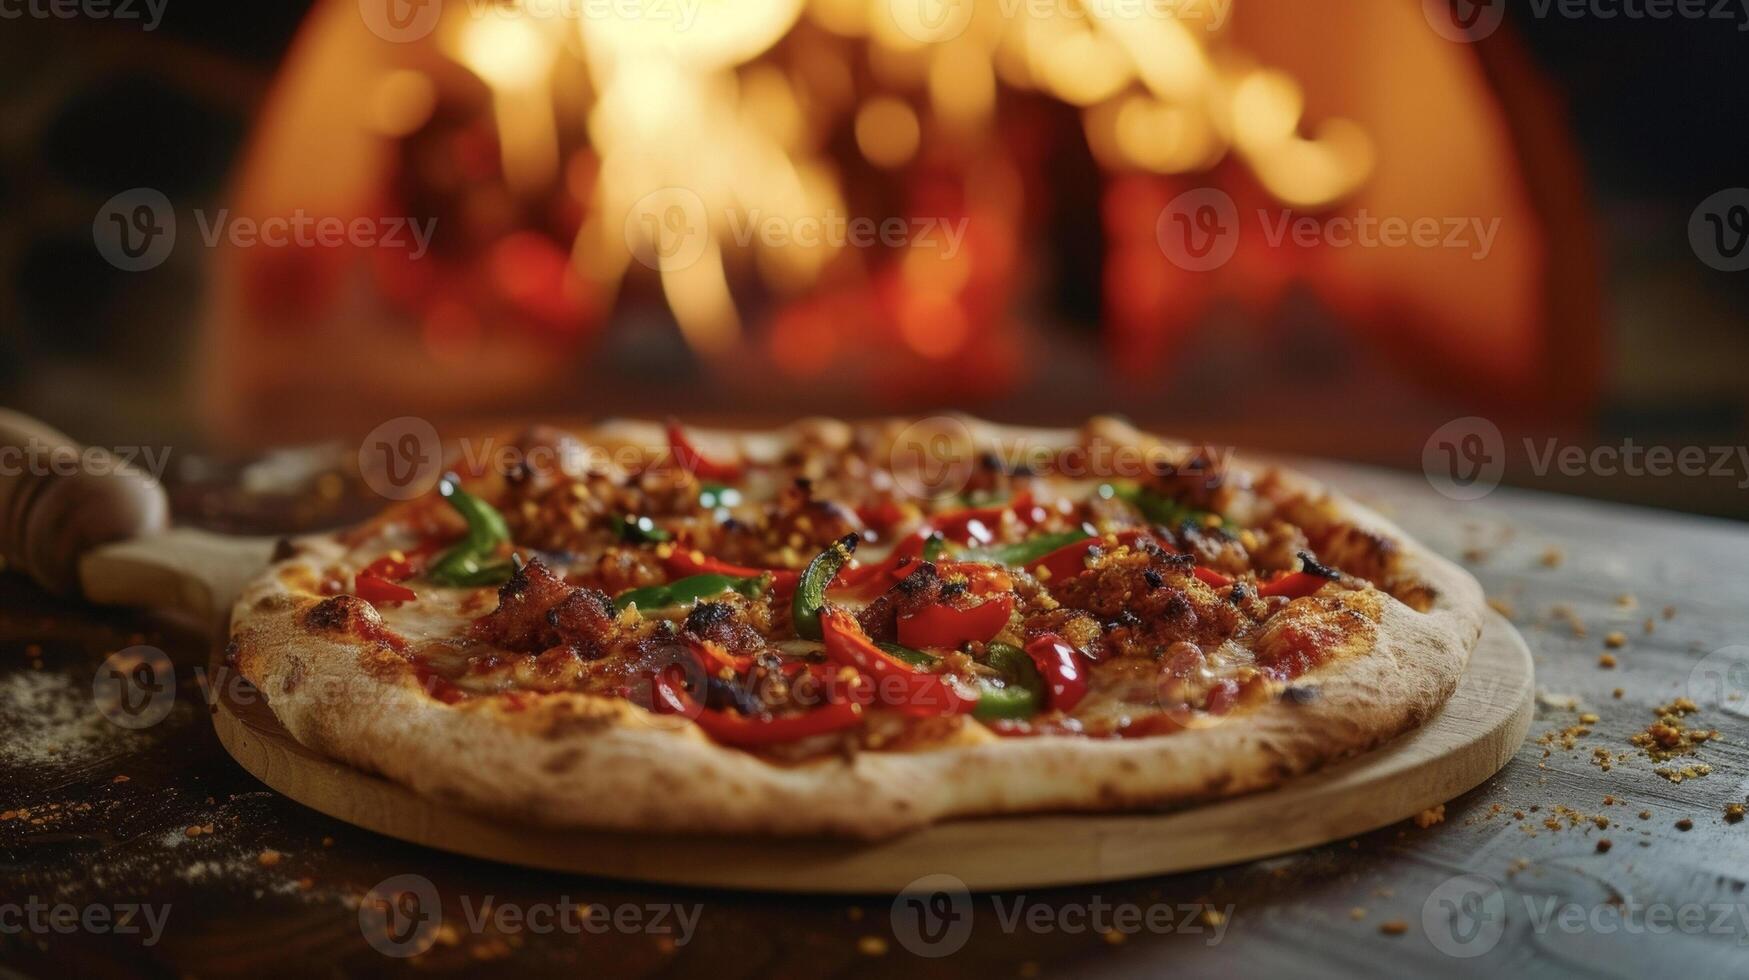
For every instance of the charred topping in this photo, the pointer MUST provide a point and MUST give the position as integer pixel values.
(1154, 579)
(1315, 567)
(880, 618)
(720, 694)
(335, 614)
(919, 581)
(521, 578)
(706, 615)
(1175, 561)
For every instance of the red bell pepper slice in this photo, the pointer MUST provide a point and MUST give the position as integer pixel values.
(897, 683)
(945, 626)
(1293, 585)
(1222, 696)
(375, 589)
(979, 523)
(398, 566)
(877, 577)
(1211, 577)
(1064, 674)
(685, 562)
(714, 658)
(981, 578)
(882, 516)
(392, 567)
(1071, 560)
(734, 728)
(694, 462)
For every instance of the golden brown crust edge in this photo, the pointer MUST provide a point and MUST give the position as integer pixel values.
(584, 761)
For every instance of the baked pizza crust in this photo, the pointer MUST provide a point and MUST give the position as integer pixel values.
(572, 760)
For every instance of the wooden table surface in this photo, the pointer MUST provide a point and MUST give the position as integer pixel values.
(103, 822)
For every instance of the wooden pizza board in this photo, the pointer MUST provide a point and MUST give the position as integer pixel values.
(1470, 739)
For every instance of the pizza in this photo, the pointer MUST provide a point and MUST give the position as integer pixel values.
(852, 629)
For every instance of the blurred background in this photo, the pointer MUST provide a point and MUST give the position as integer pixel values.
(1329, 229)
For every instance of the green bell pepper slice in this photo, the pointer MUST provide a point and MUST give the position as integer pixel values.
(1023, 553)
(470, 562)
(1157, 509)
(1018, 696)
(810, 595)
(641, 530)
(689, 590)
(1022, 692)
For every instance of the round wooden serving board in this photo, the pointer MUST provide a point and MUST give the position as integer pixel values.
(1468, 741)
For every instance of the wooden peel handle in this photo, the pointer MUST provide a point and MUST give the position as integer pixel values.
(59, 500)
